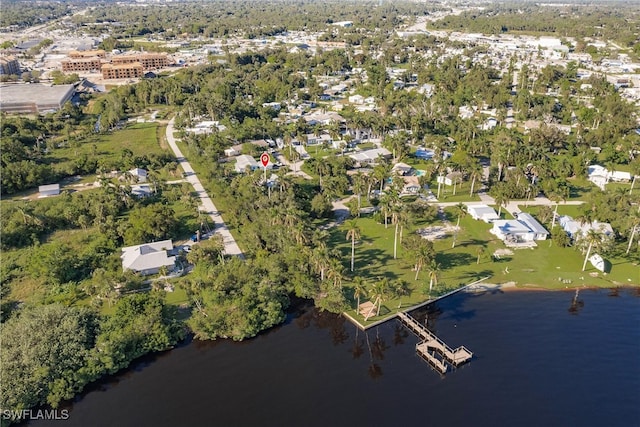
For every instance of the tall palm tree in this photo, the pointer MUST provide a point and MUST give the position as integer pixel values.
(422, 256)
(475, 170)
(334, 272)
(379, 291)
(634, 221)
(501, 200)
(386, 204)
(353, 233)
(591, 239)
(395, 214)
(434, 269)
(480, 251)
(359, 289)
(359, 186)
(461, 211)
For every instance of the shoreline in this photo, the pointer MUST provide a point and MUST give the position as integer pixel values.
(514, 287)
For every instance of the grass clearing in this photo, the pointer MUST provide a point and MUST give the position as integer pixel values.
(547, 266)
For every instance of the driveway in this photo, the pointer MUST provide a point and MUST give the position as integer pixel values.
(230, 245)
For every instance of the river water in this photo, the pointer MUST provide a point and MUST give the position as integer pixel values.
(540, 359)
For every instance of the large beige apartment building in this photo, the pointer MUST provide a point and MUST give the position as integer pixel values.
(122, 71)
(147, 60)
(87, 65)
(78, 54)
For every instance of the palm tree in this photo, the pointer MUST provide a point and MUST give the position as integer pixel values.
(395, 215)
(320, 260)
(501, 200)
(359, 289)
(475, 172)
(334, 272)
(634, 221)
(422, 256)
(461, 211)
(353, 233)
(379, 291)
(359, 186)
(591, 239)
(479, 252)
(386, 204)
(434, 269)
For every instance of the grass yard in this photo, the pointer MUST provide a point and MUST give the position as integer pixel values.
(140, 138)
(545, 266)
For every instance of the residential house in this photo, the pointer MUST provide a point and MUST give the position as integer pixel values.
(401, 169)
(370, 156)
(524, 228)
(489, 124)
(245, 161)
(482, 213)
(141, 190)
(49, 190)
(233, 151)
(137, 175)
(424, 153)
(576, 230)
(148, 258)
(411, 185)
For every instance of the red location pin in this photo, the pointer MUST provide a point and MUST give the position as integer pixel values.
(264, 158)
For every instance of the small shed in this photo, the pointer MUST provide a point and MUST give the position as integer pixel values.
(49, 190)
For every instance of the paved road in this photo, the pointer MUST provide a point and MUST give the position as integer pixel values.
(513, 206)
(230, 245)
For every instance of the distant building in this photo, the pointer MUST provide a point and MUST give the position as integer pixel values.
(131, 66)
(9, 65)
(86, 65)
(79, 54)
(122, 71)
(148, 61)
(34, 98)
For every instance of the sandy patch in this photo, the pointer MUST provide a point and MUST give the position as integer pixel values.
(437, 232)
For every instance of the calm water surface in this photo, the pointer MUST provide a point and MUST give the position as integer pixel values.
(541, 359)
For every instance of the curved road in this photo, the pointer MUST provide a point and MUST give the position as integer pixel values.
(230, 245)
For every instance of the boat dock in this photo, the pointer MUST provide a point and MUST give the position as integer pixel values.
(432, 349)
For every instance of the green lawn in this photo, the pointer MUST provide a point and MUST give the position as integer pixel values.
(546, 266)
(140, 138)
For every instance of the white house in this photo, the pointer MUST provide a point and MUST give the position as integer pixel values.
(141, 190)
(49, 190)
(401, 169)
(148, 258)
(356, 99)
(370, 156)
(523, 229)
(245, 161)
(575, 229)
(489, 124)
(598, 175)
(483, 213)
(138, 175)
(233, 151)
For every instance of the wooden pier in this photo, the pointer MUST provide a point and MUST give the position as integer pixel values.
(432, 349)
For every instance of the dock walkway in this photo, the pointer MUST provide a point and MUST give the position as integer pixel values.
(433, 349)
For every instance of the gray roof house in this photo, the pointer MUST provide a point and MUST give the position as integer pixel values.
(148, 258)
